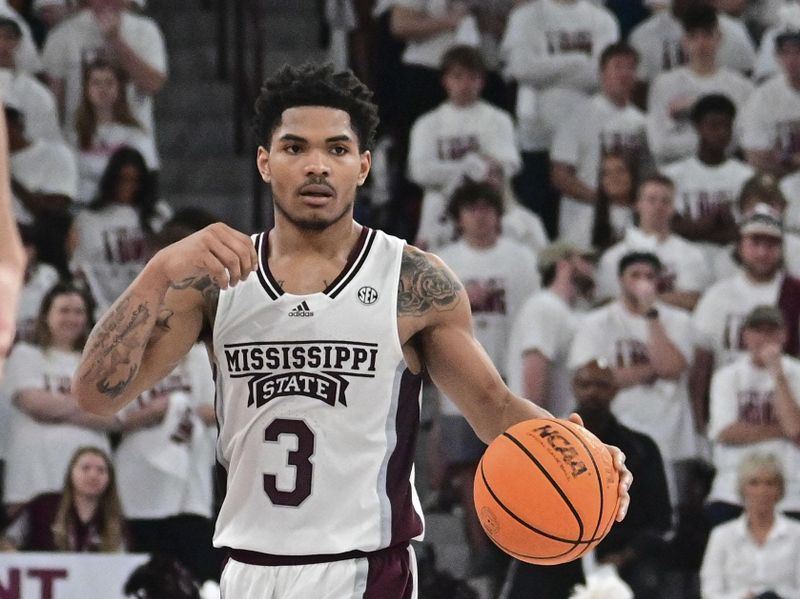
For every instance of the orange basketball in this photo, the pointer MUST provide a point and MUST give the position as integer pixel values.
(546, 491)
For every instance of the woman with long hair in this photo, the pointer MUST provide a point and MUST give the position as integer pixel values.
(86, 516)
(107, 244)
(46, 425)
(616, 194)
(103, 124)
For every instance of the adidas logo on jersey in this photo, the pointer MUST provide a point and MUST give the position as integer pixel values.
(301, 310)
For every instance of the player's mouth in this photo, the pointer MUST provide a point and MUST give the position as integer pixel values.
(317, 193)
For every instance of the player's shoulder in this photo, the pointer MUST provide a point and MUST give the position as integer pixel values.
(426, 284)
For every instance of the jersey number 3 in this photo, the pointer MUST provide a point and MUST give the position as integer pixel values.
(300, 458)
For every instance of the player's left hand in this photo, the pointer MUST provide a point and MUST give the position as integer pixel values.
(625, 476)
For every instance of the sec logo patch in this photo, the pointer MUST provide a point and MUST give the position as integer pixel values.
(367, 295)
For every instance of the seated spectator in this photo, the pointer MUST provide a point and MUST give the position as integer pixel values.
(465, 137)
(103, 125)
(44, 180)
(758, 554)
(84, 517)
(788, 18)
(684, 273)
(608, 122)
(552, 51)
(616, 195)
(107, 244)
(27, 54)
(44, 174)
(770, 120)
(34, 99)
(542, 333)
(708, 184)
(635, 545)
(723, 307)
(497, 274)
(648, 345)
(755, 405)
(658, 41)
(47, 426)
(673, 93)
(39, 279)
(763, 189)
(106, 29)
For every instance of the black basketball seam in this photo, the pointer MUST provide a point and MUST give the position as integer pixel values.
(526, 525)
(597, 472)
(556, 486)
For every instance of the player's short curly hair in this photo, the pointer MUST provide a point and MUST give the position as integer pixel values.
(316, 85)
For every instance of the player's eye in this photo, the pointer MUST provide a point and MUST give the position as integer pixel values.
(293, 149)
(339, 150)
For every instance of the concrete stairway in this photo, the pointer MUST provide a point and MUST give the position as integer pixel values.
(194, 111)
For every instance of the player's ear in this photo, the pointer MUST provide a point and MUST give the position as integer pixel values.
(366, 163)
(262, 161)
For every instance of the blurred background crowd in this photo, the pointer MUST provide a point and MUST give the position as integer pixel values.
(617, 184)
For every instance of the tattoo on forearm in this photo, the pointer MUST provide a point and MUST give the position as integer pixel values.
(112, 344)
(423, 285)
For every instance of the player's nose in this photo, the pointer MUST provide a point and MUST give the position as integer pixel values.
(318, 163)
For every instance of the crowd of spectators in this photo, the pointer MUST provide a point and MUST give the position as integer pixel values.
(617, 185)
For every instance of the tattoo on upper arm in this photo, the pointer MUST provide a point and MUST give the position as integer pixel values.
(424, 285)
(111, 346)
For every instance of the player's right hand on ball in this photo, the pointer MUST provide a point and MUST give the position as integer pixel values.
(224, 254)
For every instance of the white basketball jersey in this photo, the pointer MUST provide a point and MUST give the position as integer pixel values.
(317, 411)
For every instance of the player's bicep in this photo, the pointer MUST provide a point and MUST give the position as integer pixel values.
(175, 332)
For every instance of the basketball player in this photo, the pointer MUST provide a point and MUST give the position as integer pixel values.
(12, 254)
(318, 358)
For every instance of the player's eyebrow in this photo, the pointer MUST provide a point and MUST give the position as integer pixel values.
(291, 137)
(336, 138)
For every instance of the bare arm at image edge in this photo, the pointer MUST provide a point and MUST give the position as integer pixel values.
(12, 254)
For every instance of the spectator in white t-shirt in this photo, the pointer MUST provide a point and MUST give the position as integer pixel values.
(755, 406)
(658, 41)
(34, 99)
(608, 122)
(674, 92)
(108, 242)
(103, 124)
(767, 63)
(552, 50)
(684, 273)
(27, 54)
(708, 184)
(648, 345)
(106, 29)
(770, 121)
(722, 309)
(498, 275)
(762, 189)
(756, 556)
(542, 333)
(616, 195)
(464, 138)
(47, 425)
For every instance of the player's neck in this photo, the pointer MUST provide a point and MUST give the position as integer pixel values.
(288, 239)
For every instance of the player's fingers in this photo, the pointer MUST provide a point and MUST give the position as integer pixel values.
(229, 259)
(216, 270)
(576, 418)
(624, 501)
(241, 244)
